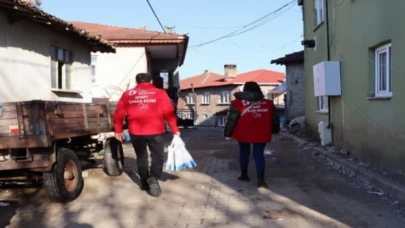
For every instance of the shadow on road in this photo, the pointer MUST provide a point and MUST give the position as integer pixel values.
(302, 193)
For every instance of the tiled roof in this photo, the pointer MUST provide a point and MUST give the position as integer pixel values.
(296, 57)
(209, 79)
(260, 76)
(205, 79)
(33, 13)
(128, 35)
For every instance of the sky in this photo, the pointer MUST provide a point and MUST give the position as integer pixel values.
(203, 21)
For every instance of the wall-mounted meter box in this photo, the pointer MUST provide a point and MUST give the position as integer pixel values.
(327, 79)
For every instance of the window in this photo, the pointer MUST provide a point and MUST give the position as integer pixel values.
(222, 120)
(224, 98)
(93, 67)
(319, 11)
(323, 104)
(190, 98)
(206, 98)
(61, 68)
(383, 82)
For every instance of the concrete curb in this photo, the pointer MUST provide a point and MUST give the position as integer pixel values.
(388, 187)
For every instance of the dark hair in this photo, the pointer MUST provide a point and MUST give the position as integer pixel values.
(143, 77)
(253, 87)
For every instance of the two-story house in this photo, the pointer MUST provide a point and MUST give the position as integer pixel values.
(355, 77)
(208, 95)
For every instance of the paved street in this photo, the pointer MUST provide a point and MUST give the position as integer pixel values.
(302, 193)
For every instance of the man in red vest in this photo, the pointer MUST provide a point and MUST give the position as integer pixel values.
(147, 108)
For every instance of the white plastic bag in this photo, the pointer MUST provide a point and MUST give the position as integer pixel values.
(170, 158)
(179, 157)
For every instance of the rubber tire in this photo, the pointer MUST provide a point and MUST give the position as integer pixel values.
(113, 157)
(54, 181)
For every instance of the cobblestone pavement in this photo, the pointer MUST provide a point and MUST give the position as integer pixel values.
(302, 193)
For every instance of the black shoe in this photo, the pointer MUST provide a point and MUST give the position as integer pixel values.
(244, 175)
(155, 189)
(144, 185)
(261, 183)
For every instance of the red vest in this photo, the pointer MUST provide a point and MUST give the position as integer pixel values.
(255, 125)
(147, 108)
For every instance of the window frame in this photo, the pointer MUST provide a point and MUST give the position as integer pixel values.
(190, 99)
(323, 104)
(61, 63)
(319, 12)
(387, 92)
(206, 98)
(228, 96)
(93, 65)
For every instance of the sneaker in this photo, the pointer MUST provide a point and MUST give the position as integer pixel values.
(155, 189)
(244, 177)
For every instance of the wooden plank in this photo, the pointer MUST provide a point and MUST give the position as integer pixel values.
(68, 107)
(67, 114)
(8, 122)
(63, 121)
(29, 142)
(66, 126)
(8, 108)
(8, 115)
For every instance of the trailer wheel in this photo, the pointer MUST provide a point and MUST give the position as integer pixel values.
(65, 182)
(113, 157)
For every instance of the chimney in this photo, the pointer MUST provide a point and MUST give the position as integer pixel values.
(230, 71)
(169, 29)
(143, 27)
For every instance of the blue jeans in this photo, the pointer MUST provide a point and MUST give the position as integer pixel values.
(258, 154)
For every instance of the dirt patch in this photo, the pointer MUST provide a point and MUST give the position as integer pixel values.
(280, 214)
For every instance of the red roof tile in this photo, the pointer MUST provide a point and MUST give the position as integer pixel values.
(200, 81)
(209, 79)
(261, 77)
(114, 33)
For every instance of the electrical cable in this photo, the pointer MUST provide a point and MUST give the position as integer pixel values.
(262, 20)
(156, 16)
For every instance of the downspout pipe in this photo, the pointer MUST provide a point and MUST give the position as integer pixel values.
(330, 125)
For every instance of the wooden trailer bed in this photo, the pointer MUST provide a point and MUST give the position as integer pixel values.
(34, 124)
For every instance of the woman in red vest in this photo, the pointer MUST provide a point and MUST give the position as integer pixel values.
(249, 121)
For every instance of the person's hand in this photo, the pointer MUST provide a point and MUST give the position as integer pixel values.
(177, 133)
(120, 136)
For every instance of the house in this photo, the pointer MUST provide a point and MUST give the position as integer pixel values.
(137, 51)
(295, 84)
(43, 57)
(208, 95)
(354, 83)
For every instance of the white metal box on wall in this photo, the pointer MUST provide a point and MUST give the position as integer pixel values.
(327, 79)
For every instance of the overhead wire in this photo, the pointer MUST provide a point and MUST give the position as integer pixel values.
(156, 16)
(248, 27)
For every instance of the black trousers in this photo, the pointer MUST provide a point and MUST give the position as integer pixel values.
(156, 147)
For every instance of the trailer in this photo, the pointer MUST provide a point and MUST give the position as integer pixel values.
(46, 141)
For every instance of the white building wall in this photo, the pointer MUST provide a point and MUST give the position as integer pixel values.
(25, 63)
(115, 73)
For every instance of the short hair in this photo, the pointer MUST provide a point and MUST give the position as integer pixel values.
(143, 77)
(253, 87)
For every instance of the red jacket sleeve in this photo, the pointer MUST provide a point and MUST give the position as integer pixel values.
(120, 113)
(168, 112)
